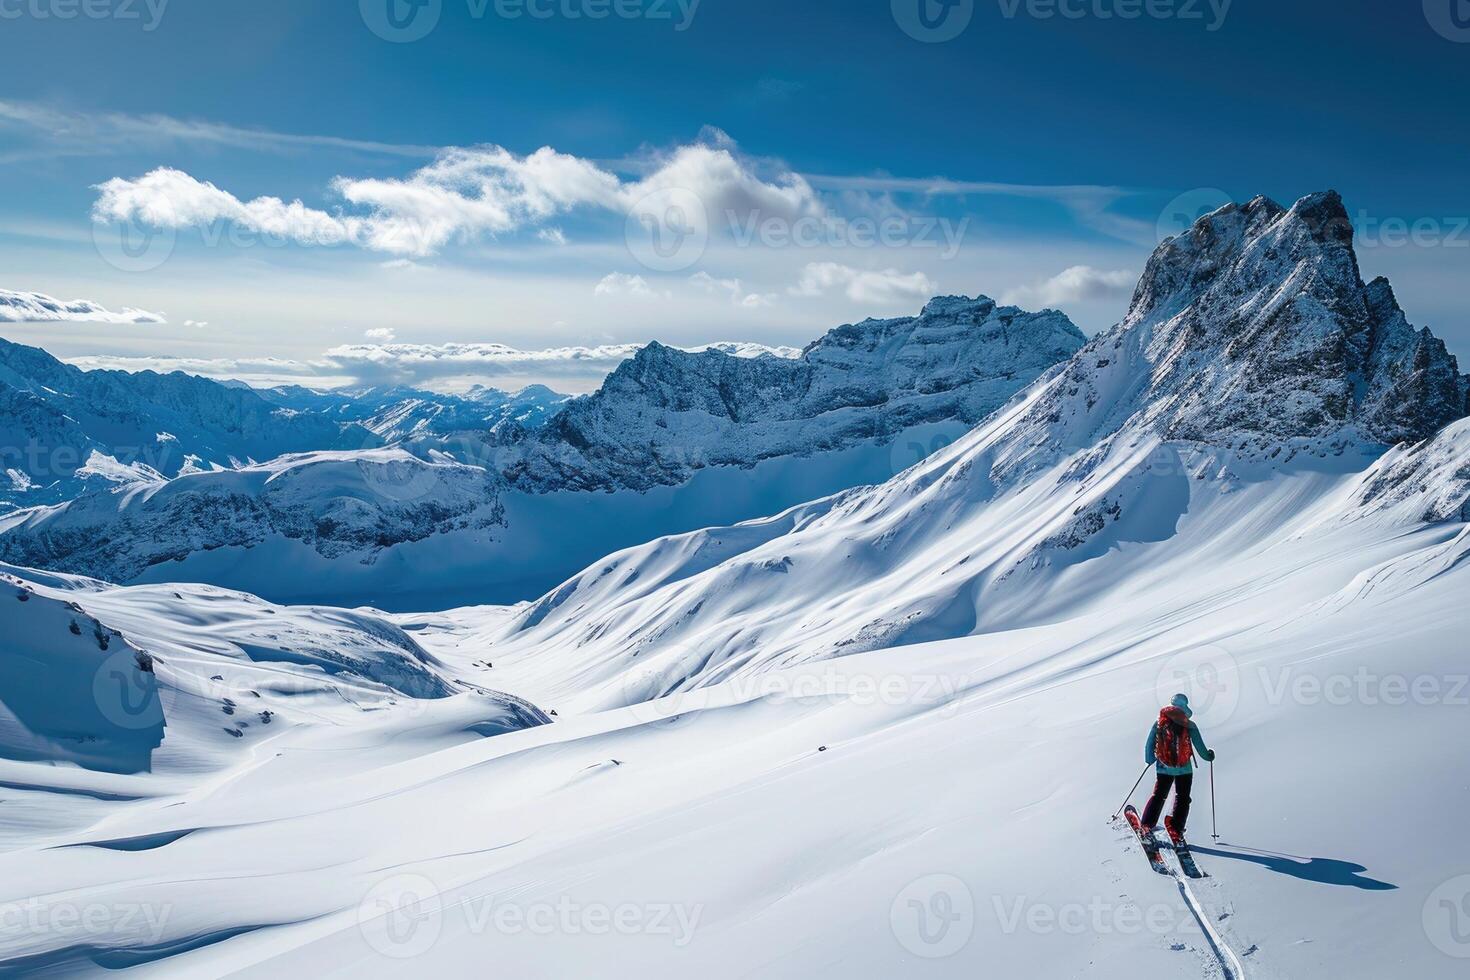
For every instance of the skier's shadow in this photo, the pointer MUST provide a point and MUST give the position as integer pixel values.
(1325, 871)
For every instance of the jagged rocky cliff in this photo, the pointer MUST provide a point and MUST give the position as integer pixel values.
(667, 413)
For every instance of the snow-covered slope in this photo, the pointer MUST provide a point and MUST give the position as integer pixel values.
(936, 809)
(879, 735)
(118, 695)
(675, 440)
(303, 511)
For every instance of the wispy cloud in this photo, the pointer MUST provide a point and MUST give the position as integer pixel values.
(422, 365)
(733, 288)
(1091, 205)
(19, 307)
(59, 131)
(623, 284)
(1078, 284)
(880, 287)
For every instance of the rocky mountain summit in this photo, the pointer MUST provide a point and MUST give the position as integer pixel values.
(666, 414)
(1252, 329)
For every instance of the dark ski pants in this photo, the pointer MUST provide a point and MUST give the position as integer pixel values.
(1181, 786)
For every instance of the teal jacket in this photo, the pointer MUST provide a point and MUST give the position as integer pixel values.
(1200, 749)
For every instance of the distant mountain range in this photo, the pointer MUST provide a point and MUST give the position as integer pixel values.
(491, 497)
(65, 431)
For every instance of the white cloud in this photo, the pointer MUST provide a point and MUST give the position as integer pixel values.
(196, 323)
(1079, 283)
(258, 371)
(879, 287)
(463, 195)
(423, 365)
(22, 307)
(622, 284)
(733, 288)
(552, 236)
(383, 335)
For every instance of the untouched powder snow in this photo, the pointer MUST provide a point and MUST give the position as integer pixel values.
(876, 735)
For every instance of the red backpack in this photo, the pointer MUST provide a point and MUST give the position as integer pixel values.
(1172, 746)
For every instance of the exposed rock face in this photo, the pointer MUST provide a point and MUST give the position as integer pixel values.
(54, 418)
(1254, 328)
(667, 413)
(339, 504)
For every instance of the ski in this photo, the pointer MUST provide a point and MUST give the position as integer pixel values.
(1150, 845)
(1184, 854)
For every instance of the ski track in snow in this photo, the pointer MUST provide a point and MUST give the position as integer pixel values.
(1220, 949)
(1229, 962)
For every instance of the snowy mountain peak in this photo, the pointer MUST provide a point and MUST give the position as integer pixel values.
(1256, 326)
(667, 413)
(955, 306)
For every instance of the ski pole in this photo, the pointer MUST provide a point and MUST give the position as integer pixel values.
(1132, 791)
(1214, 816)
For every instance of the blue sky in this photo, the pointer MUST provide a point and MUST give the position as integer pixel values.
(1035, 157)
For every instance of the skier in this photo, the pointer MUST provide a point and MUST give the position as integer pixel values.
(1172, 744)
